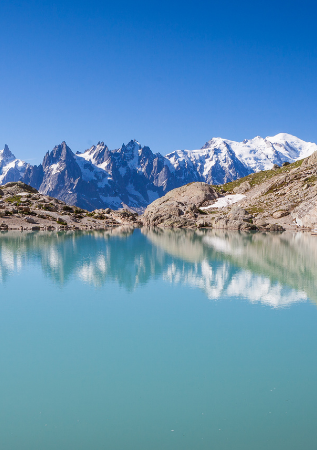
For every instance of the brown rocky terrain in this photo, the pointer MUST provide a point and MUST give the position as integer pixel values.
(273, 200)
(24, 208)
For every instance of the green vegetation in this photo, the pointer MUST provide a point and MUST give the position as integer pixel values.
(46, 207)
(257, 178)
(21, 185)
(276, 187)
(311, 179)
(67, 208)
(61, 222)
(255, 210)
(14, 199)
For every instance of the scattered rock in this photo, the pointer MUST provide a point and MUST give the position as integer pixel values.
(279, 214)
(29, 220)
(237, 212)
(276, 227)
(261, 223)
(242, 188)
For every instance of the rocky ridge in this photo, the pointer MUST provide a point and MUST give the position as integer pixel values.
(271, 200)
(24, 208)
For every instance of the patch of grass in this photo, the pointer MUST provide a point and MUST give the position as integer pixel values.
(276, 187)
(61, 222)
(257, 178)
(201, 211)
(67, 208)
(255, 210)
(47, 207)
(14, 199)
(311, 179)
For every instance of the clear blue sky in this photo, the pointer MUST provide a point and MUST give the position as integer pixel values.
(172, 74)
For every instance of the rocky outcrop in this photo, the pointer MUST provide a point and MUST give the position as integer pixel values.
(179, 207)
(242, 188)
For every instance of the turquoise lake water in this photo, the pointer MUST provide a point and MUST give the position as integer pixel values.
(148, 340)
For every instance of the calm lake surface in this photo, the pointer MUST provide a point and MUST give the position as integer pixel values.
(150, 340)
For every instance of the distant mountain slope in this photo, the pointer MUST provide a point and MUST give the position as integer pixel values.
(133, 176)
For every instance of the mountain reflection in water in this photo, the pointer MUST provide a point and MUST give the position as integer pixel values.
(274, 269)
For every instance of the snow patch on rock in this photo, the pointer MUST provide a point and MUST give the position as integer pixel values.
(228, 200)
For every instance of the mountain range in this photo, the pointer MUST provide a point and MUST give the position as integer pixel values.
(133, 176)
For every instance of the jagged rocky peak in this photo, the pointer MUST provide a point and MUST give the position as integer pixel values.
(130, 152)
(146, 157)
(59, 153)
(96, 154)
(11, 168)
(6, 155)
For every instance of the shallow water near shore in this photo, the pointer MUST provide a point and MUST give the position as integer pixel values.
(148, 339)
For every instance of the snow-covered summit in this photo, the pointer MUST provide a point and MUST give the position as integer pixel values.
(222, 160)
(11, 168)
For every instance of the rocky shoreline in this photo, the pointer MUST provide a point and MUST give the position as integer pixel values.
(24, 208)
(284, 198)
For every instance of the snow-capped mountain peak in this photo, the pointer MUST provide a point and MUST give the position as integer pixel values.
(6, 156)
(134, 176)
(250, 155)
(97, 154)
(11, 168)
(295, 147)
